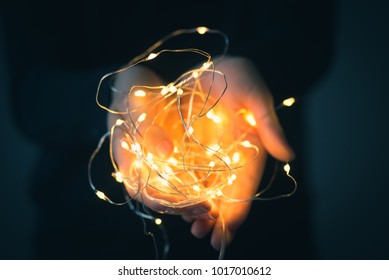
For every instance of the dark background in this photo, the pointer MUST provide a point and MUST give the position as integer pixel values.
(346, 147)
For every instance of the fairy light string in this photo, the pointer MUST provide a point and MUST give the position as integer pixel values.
(206, 151)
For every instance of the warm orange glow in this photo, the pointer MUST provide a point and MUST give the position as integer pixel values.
(184, 114)
(168, 169)
(182, 145)
(227, 160)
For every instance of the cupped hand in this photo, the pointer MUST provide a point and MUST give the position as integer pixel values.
(246, 89)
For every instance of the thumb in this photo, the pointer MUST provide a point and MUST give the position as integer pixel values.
(273, 137)
(269, 128)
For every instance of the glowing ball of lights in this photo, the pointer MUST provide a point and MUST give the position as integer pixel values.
(210, 141)
(207, 146)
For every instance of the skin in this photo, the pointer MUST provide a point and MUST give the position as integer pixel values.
(246, 89)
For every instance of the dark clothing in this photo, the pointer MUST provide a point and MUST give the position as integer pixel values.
(57, 52)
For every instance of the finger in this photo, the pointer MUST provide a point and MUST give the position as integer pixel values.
(198, 209)
(221, 236)
(228, 223)
(200, 228)
(158, 141)
(273, 138)
(188, 219)
(203, 225)
(232, 212)
(201, 213)
(233, 215)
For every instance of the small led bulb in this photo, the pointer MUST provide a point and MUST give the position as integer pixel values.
(152, 56)
(118, 176)
(119, 122)
(140, 93)
(164, 91)
(101, 195)
(195, 74)
(236, 157)
(246, 144)
(206, 65)
(172, 88)
(287, 168)
(172, 160)
(142, 117)
(289, 102)
(125, 145)
(201, 30)
(250, 119)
